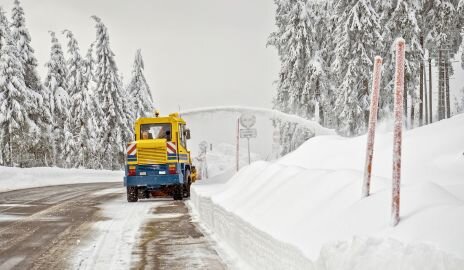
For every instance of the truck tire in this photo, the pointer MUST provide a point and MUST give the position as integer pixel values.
(132, 194)
(187, 183)
(178, 192)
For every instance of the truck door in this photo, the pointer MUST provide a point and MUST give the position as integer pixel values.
(183, 154)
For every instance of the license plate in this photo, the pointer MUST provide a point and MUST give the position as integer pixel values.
(162, 172)
(143, 173)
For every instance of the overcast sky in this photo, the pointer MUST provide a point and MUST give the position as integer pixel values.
(196, 52)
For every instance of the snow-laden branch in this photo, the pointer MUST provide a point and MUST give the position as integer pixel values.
(316, 128)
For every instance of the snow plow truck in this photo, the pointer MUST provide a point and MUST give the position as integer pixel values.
(158, 161)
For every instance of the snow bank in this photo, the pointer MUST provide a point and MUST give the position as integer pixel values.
(18, 178)
(305, 210)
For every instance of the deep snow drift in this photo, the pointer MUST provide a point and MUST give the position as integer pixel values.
(18, 178)
(305, 210)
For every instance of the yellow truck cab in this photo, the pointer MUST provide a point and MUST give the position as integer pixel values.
(158, 161)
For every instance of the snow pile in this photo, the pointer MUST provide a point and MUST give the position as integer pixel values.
(305, 210)
(19, 178)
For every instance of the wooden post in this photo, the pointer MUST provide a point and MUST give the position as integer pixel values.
(397, 132)
(372, 122)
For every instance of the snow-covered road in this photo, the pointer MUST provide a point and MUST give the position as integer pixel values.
(91, 226)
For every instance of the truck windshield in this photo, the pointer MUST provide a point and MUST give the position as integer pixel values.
(155, 131)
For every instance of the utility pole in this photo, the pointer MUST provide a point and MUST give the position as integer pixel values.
(447, 92)
(430, 90)
(425, 98)
(441, 90)
(421, 86)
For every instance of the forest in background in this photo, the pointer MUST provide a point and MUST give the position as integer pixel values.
(327, 49)
(80, 115)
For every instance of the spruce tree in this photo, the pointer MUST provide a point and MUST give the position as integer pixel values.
(139, 91)
(15, 100)
(94, 130)
(39, 113)
(81, 121)
(358, 36)
(403, 22)
(109, 91)
(56, 82)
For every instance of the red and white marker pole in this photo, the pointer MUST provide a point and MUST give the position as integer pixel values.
(397, 131)
(372, 122)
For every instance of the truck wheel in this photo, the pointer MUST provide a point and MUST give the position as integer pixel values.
(132, 194)
(178, 192)
(143, 193)
(187, 183)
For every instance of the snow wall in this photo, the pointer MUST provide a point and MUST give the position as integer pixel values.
(304, 211)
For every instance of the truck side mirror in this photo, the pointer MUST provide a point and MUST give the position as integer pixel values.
(187, 134)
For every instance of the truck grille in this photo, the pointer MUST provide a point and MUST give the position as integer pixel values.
(151, 156)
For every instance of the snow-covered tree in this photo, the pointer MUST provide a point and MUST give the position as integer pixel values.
(81, 121)
(40, 113)
(358, 37)
(56, 82)
(109, 91)
(298, 88)
(15, 100)
(139, 91)
(403, 22)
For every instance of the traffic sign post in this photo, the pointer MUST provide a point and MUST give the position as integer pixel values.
(247, 121)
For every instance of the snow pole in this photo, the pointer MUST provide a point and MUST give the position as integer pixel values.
(372, 122)
(397, 131)
(237, 157)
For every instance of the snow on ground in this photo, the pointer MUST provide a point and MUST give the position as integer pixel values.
(20, 178)
(305, 210)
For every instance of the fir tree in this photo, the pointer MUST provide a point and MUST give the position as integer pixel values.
(109, 91)
(56, 82)
(15, 100)
(39, 113)
(139, 91)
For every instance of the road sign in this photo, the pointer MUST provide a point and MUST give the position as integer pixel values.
(247, 120)
(248, 133)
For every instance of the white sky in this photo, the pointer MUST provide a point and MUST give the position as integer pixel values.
(197, 53)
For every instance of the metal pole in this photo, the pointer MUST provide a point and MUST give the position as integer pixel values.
(237, 157)
(397, 132)
(371, 128)
(249, 159)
